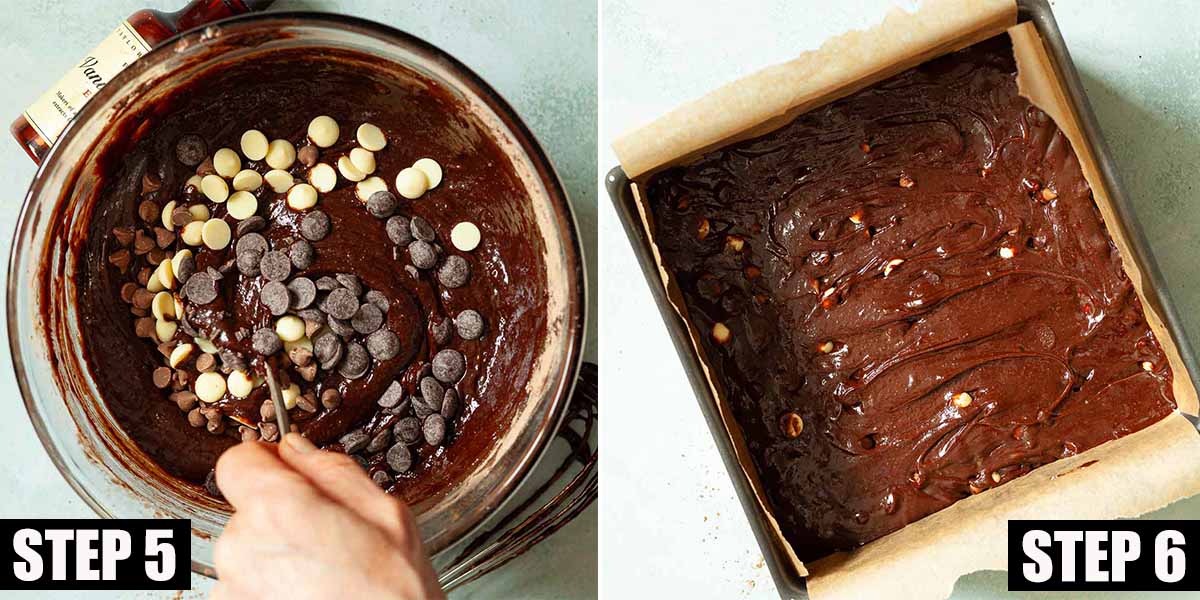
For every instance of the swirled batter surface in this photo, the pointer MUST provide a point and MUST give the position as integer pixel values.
(919, 273)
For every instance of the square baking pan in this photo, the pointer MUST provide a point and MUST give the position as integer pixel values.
(790, 583)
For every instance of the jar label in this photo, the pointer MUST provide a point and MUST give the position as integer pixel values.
(51, 113)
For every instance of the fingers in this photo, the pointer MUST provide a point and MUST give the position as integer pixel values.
(340, 478)
(253, 471)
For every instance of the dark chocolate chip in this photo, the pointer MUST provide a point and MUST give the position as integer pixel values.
(327, 283)
(191, 149)
(275, 296)
(252, 241)
(454, 272)
(354, 441)
(367, 320)
(341, 327)
(231, 361)
(422, 230)
(381, 478)
(314, 226)
(379, 442)
(275, 266)
(214, 273)
(422, 254)
(432, 392)
(383, 345)
(250, 225)
(248, 261)
(266, 342)
(442, 329)
(187, 266)
(449, 404)
(201, 288)
(339, 351)
(312, 315)
(381, 204)
(356, 362)
(210, 485)
(392, 396)
(421, 409)
(350, 282)
(340, 303)
(378, 299)
(449, 365)
(407, 430)
(412, 271)
(302, 254)
(434, 429)
(399, 230)
(469, 324)
(303, 292)
(324, 345)
(399, 458)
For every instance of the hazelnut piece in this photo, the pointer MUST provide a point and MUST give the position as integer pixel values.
(792, 425)
(721, 333)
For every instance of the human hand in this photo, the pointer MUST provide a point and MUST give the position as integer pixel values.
(311, 524)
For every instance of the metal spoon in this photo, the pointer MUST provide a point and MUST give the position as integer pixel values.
(281, 414)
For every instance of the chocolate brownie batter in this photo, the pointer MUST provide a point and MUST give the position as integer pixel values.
(279, 93)
(908, 296)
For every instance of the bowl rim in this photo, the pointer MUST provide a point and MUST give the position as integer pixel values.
(576, 308)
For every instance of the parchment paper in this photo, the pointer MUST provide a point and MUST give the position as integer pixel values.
(1123, 478)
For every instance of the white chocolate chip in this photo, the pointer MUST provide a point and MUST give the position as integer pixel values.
(289, 328)
(368, 186)
(254, 145)
(210, 386)
(721, 333)
(216, 234)
(240, 384)
(303, 342)
(431, 169)
(1147, 365)
(205, 345)
(242, 205)
(247, 180)
(302, 196)
(180, 355)
(371, 137)
(465, 236)
(323, 177)
(165, 330)
(154, 284)
(163, 306)
(1006, 252)
(178, 258)
(363, 160)
(280, 181)
(167, 221)
(348, 170)
(226, 162)
(291, 394)
(179, 314)
(193, 233)
(165, 274)
(281, 154)
(891, 266)
(199, 212)
(193, 181)
(962, 399)
(411, 183)
(825, 347)
(214, 188)
(323, 131)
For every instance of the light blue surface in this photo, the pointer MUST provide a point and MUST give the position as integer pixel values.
(540, 55)
(1140, 62)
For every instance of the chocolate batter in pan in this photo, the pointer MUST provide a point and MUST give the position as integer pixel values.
(911, 297)
(279, 94)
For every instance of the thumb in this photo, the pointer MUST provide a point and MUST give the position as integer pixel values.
(344, 481)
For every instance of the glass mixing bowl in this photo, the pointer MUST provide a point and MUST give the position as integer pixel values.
(91, 451)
